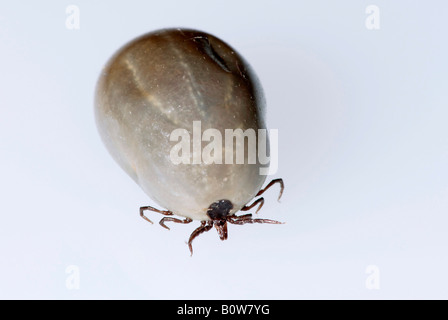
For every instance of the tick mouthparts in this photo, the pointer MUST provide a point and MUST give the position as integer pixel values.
(221, 227)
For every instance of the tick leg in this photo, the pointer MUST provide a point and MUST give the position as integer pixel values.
(204, 227)
(259, 200)
(162, 222)
(164, 212)
(244, 216)
(282, 186)
(248, 219)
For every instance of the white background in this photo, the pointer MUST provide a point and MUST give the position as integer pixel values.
(363, 141)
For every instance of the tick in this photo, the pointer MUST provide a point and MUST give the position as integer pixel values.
(166, 81)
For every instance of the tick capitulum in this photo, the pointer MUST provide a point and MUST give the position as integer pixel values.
(219, 214)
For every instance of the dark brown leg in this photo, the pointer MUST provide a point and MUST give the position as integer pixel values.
(162, 222)
(244, 216)
(247, 218)
(259, 200)
(204, 227)
(282, 186)
(164, 212)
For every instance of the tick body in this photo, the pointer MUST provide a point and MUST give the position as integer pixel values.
(167, 80)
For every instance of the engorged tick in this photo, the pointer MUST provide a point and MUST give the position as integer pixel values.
(168, 80)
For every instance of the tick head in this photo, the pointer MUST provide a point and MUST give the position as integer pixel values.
(218, 212)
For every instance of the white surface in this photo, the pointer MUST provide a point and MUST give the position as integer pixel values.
(361, 116)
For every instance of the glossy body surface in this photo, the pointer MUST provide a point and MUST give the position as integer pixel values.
(164, 81)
